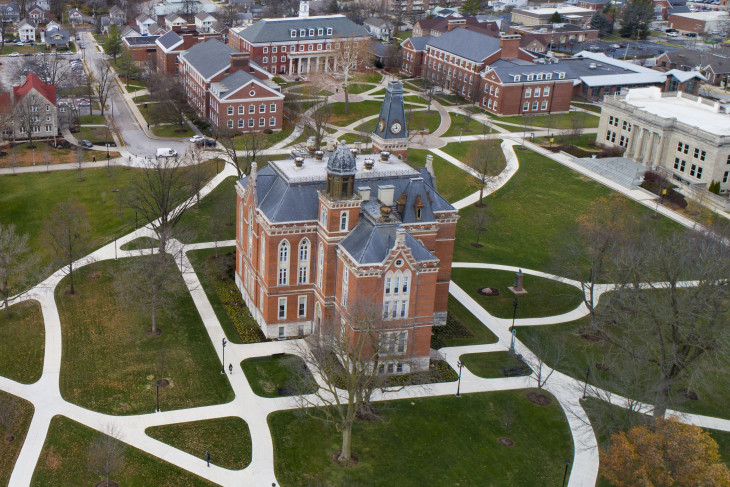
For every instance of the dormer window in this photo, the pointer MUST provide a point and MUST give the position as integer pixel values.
(548, 75)
(320, 31)
(311, 32)
(419, 214)
(329, 31)
(561, 75)
(530, 77)
(539, 77)
(293, 33)
(517, 77)
(302, 32)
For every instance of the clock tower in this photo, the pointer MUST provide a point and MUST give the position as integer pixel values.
(391, 133)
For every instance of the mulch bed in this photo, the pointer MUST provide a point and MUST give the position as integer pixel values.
(354, 459)
(539, 398)
(9, 438)
(94, 276)
(488, 291)
(151, 333)
(591, 334)
(505, 441)
(162, 383)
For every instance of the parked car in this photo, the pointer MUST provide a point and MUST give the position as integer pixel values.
(195, 138)
(13, 54)
(86, 143)
(83, 102)
(166, 152)
(615, 46)
(672, 34)
(28, 54)
(204, 142)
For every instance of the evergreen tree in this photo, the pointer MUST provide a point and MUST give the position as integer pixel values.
(113, 42)
(471, 7)
(636, 17)
(556, 18)
(333, 7)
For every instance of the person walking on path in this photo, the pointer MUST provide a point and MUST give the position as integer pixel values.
(207, 458)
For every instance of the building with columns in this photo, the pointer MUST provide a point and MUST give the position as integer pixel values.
(297, 45)
(319, 236)
(686, 135)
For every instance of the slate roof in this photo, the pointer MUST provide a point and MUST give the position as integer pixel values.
(392, 110)
(467, 44)
(370, 243)
(203, 15)
(679, 9)
(235, 81)
(277, 30)
(27, 22)
(418, 43)
(169, 40)
(57, 37)
(209, 57)
(172, 18)
(691, 58)
(342, 161)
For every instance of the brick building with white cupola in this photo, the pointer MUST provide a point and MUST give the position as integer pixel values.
(318, 235)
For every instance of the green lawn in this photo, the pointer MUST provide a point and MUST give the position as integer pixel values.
(558, 120)
(216, 277)
(140, 243)
(109, 363)
(423, 119)
(404, 34)
(10, 450)
(352, 138)
(132, 88)
(92, 120)
(462, 328)
(529, 217)
(63, 461)
(173, 130)
(266, 140)
(452, 183)
(202, 224)
(96, 135)
(458, 447)
(368, 77)
(492, 364)
(544, 297)
(460, 150)
(277, 376)
(356, 89)
(227, 439)
(588, 106)
(28, 199)
(461, 126)
(22, 342)
(367, 127)
(358, 110)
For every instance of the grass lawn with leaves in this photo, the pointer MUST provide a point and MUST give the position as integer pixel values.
(11, 449)
(368, 77)
(492, 364)
(541, 436)
(217, 213)
(277, 375)
(22, 342)
(452, 183)
(460, 125)
(544, 297)
(92, 120)
(423, 120)
(557, 120)
(460, 150)
(588, 106)
(63, 461)
(462, 328)
(141, 243)
(227, 439)
(356, 89)
(96, 135)
(29, 156)
(266, 140)
(172, 130)
(110, 364)
(529, 217)
(358, 110)
(216, 277)
(28, 199)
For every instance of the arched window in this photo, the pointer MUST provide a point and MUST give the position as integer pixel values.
(283, 274)
(240, 225)
(396, 294)
(303, 271)
(250, 232)
(345, 285)
(320, 263)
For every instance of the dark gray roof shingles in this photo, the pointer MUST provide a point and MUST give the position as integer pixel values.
(277, 30)
(467, 44)
(209, 57)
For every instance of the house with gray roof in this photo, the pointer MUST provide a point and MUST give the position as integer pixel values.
(10, 12)
(297, 45)
(56, 38)
(175, 20)
(362, 232)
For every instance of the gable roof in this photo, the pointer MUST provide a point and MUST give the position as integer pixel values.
(27, 22)
(467, 44)
(209, 58)
(169, 40)
(33, 81)
(418, 43)
(172, 18)
(368, 243)
(275, 30)
(202, 15)
(234, 82)
(683, 76)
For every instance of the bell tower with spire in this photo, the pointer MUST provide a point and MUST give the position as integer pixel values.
(391, 133)
(303, 9)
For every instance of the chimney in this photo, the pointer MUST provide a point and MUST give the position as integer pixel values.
(385, 194)
(429, 169)
(239, 61)
(510, 45)
(364, 192)
(454, 23)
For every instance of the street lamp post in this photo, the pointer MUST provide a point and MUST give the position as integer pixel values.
(565, 475)
(223, 362)
(585, 386)
(459, 364)
(512, 328)
(157, 389)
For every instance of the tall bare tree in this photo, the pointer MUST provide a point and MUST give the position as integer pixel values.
(242, 148)
(160, 195)
(197, 173)
(481, 158)
(168, 92)
(349, 57)
(68, 235)
(9, 414)
(18, 266)
(106, 454)
(104, 83)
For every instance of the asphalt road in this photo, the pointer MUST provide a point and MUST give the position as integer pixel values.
(134, 137)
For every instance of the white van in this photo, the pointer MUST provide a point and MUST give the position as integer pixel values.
(166, 152)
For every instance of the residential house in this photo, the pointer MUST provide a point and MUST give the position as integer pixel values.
(379, 28)
(75, 16)
(144, 22)
(347, 231)
(175, 20)
(203, 21)
(297, 45)
(117, 12)
(38, 15)
(26, 30)
(715, 64)
(225, 88)
(56, 38)
(35, 99)
(10, 12)
(183, 7)
(107, 22)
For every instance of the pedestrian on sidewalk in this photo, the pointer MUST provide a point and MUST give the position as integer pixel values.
(94, 158)
(230, 368)
(207, 458)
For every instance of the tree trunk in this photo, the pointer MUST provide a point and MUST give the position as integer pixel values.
(662, 396)
(154, 312)
(346, 451)
(347, 99)
(6, 306)
(71, 275)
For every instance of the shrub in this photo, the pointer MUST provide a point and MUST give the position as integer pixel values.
(268, 131)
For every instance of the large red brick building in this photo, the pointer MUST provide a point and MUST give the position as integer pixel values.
(170, 45)
(319, 236)
(297, 45)
(229, 91)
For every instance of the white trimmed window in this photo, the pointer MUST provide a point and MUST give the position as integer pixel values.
(320, 264)
(272, 108)
(303, 261)
(344, 218)
(250, 232)
(272, 121)
(396, 295)
(282, 311)
(345, 284)
(283, 273)
(230, 110)
(302, 307)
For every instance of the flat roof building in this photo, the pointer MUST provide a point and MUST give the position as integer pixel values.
(542, 15)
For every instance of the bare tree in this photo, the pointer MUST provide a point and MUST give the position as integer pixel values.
(479, 220)
(197, 173)
(480, 158)
(160, 195)
(18, 266)
(51, 69)
(104, 82)
(168, 92)
(67, 233)
(27, 116)
(241, 148)
(9, 414)
(668, 314)
(79, 153)
(106, 454)
(577, 125)
(347, 353)
(348, 58)
(543, 351)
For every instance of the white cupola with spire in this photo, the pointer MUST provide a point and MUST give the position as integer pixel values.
(303, 9)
